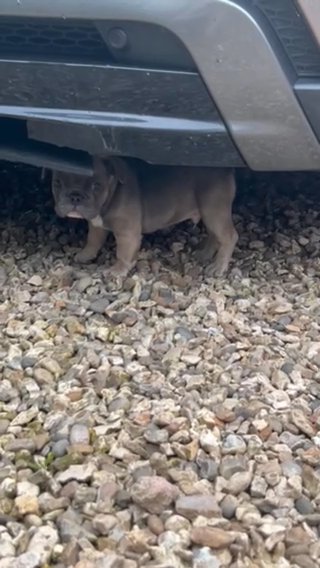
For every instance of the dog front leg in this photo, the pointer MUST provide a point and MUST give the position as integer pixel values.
(95, 241)
(127, 248)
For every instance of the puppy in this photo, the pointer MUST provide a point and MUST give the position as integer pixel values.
(130, 203)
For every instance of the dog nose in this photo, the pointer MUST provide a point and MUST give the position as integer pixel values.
(75, 197)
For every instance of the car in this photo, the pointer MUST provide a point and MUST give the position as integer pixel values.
(223, 83)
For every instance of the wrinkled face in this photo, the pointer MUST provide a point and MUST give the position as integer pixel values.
(78, 196)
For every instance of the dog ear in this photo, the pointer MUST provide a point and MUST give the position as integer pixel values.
(99, 167)
(118, 168)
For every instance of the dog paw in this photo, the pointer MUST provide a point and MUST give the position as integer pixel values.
(84, 256)
(115, 275)
(218, 268)
(119, 269)
(115, 272)
(205, 253)
(207, 250)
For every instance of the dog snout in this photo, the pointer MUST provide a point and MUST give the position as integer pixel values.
(75, 197)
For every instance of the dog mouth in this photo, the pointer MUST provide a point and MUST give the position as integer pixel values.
(70, 211)
(75, 215)
(66, 212)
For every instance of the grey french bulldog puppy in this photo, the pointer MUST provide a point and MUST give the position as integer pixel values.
(129, 204)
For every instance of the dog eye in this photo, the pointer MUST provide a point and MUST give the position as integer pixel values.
(57, 183)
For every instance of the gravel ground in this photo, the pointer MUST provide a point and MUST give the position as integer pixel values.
(171, 423)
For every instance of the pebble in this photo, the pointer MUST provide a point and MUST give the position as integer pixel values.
(212, 537)
(230, 465)
(239, 482)
(290, 468)
(78, 472)
(191, 359)
(258, 487)
(79, 434)
(303, 561)
(27, 504)
(99, 306)
(233, 444)
(103, 524)
(42, 376)
(154, 493)
(35, 280)
(313, 519)
(304, 506)
(208, 469)
(69, 525)
(177, 523)
(28, 361)
(60, 448)
(302, 423)
(184, 333)
(203, 558)
(20, 444)
(156, 525)
(208, 441)
(3, 275)
(156, 435)
(191, 506)
(48, 503)
(25, 487)
(43, 543)
(84, 283)
(7, 548)
(228, 506)
(4, 425)
(25, 417)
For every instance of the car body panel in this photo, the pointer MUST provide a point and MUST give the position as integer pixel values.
(112, 110)
(246, 73)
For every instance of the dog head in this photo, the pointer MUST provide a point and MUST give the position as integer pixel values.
(82, 197)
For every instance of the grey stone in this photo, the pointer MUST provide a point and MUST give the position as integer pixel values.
(313, 519)
(60, 448)
(233, 444)
(156, 435)
(304, 506)
(84, 283)
(7, 547)
(4, 425)
(239, 482)
(208, 468)
(48, 503)
(28, 559)
(290, 468)
(103, 524)
(79, 434)
(79, 472)
(70, 528)
(303, 561)
(7, 393)
(20, 444)
(233, 464)
(43, 542)
(154, 493)
(191, 506)
(258, 487)
(204, 558)
(28, 361)
(228, 506)
(185, 333)
(99, 306)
